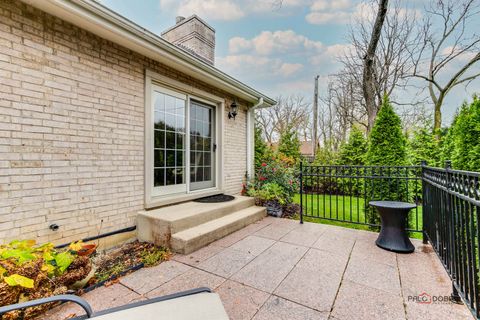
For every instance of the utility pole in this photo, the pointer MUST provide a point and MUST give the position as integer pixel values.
(315, 118)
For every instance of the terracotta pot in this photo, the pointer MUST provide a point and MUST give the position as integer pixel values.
(87, 249)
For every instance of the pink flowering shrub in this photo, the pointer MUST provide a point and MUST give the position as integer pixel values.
(274, 181)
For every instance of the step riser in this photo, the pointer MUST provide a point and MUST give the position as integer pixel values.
(215, 213)
(187, 247)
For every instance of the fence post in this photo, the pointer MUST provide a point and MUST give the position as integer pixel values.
(448, 166)
(424, 210)
(301, 192)
(455, 296)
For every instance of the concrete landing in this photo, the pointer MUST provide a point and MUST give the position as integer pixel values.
(189, 226)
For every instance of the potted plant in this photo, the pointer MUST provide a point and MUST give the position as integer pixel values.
(273, 197)
(82, 249)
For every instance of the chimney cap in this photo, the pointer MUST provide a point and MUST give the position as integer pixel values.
(179, 19)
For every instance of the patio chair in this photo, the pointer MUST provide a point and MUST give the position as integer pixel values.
(199, 303)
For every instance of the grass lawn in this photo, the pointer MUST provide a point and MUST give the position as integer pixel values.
(351, 210)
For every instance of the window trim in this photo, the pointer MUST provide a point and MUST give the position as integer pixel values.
(152, 78)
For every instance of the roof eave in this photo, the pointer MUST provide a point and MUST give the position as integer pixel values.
(98, 19)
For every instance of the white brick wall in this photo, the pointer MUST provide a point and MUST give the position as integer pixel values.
(71, 129)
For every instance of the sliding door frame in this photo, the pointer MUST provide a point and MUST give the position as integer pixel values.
(151, 198)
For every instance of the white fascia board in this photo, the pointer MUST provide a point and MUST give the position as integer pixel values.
(99, 20)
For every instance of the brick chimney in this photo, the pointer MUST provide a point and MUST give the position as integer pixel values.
(193, 35)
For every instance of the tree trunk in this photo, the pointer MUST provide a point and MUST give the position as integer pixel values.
(368, 84)
(437, 116)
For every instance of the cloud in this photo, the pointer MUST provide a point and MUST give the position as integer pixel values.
(338, 12)
(228, 10)
(280, 60)
(288, 69)
(244, 65)
(345, 11)
(275, 42)
(330, 54)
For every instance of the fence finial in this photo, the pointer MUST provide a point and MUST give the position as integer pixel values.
(448, 164)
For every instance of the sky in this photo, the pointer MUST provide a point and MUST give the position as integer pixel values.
(275, 49)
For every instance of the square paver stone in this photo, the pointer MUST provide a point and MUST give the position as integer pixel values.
(242, 233)
(198, 256)
(368, 249)
(315, 280)
(241, 302)
(423, 272)
(227, 262)
(277, 308)
(253, 245)
(355, 301)
(277, 229)
(147, 279)
(267, 270)
(336, 243)
(367, 272)
(447, 311)
(99, 299)
(191, 279)
(305, 234)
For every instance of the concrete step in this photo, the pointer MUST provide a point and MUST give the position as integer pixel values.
(158, 225)
(194, 238)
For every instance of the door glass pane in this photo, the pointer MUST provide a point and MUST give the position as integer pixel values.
(159, 177)
(159, 139)
(169, 139)
(201, 147)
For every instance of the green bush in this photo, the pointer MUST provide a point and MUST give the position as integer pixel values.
(424, 146)
(289, 145)
(272, 192)
(387, 144)
(273, 173)
(352, 152)
(463, 139)
(386, 147)
(262, 151)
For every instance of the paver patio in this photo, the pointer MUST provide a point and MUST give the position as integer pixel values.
(279, 269)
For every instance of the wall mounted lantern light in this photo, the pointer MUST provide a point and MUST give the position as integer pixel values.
(233, 110)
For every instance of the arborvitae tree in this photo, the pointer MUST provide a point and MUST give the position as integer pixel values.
(353, 151)
(289, 144)
(325, 156)
(387, 144)
(262, 151)
(424, 146)
(466, 131)
(448, 144)
(386, 147)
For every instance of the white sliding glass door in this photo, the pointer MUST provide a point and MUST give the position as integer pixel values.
(169, 145)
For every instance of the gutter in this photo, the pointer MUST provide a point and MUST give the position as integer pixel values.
(98, 19)
(251, 136)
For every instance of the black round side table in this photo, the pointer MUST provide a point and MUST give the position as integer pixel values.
(393, 235)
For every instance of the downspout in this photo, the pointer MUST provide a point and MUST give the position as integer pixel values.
(251, 137)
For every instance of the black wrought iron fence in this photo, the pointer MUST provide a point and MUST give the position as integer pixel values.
(451, 207)
(343, 193)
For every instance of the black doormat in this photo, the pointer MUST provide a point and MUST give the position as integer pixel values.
(215, 199)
